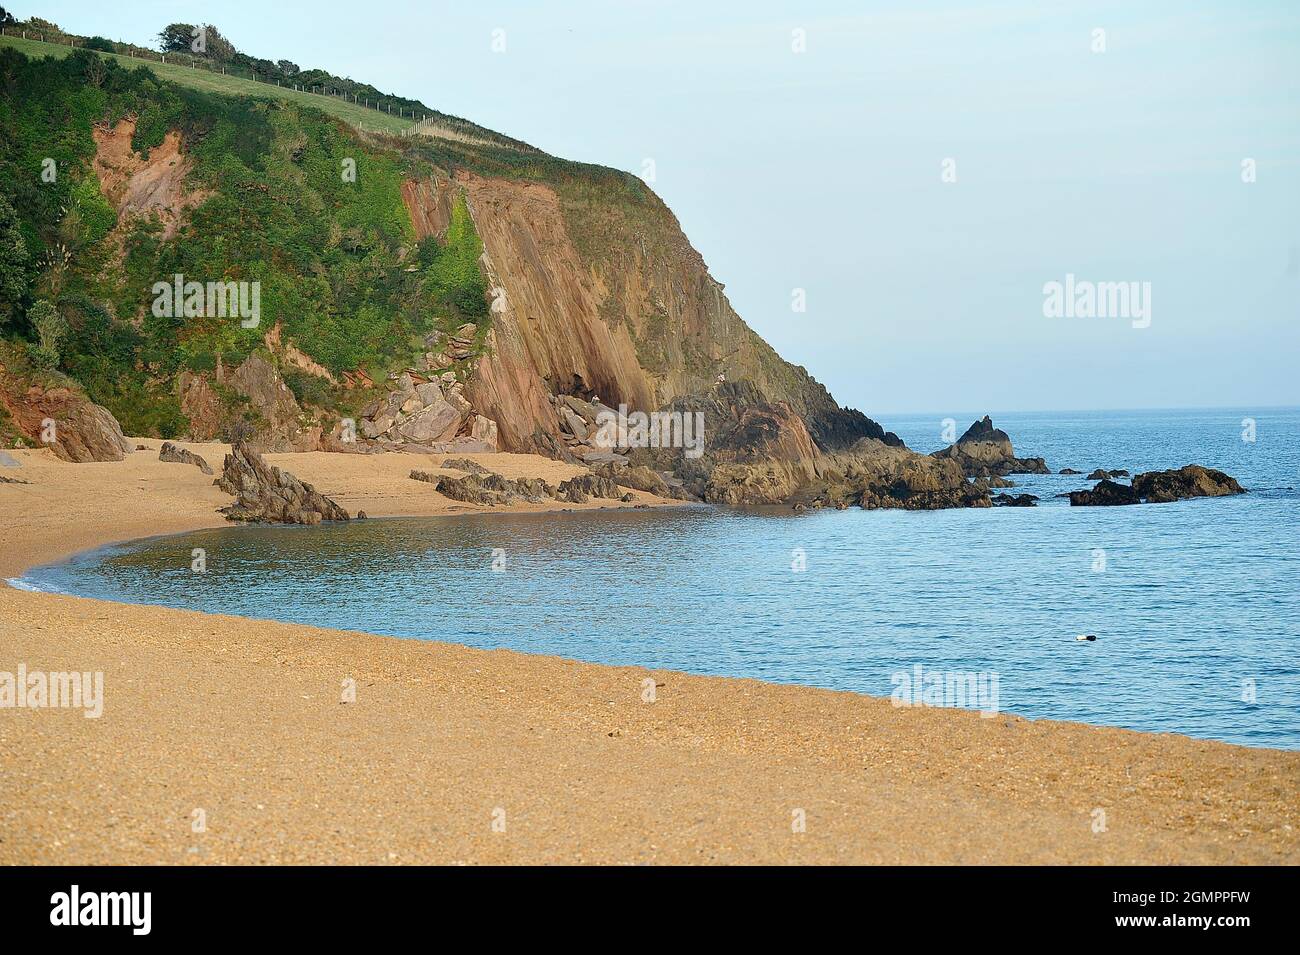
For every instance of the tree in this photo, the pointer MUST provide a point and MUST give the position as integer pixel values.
(176, 38)
(288, 67)
(216, 46)
(14, 261)
(6, 18)
(99, 43)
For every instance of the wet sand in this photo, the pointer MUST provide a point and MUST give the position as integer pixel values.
(456, 755)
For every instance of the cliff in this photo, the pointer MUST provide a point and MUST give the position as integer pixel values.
(418, 292)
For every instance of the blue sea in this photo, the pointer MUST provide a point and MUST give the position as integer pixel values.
(1195, 605)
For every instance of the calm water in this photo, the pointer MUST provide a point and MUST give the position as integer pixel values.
(1195, 598)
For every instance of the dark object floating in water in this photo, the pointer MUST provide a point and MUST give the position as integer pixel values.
(1089, 637)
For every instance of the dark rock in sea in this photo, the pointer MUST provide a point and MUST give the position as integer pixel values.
(996, 481)
(1161, 487)
(1068, 471)
(1118, 472)
(1013, 500)
(1100, 475)
(1106, 493)
(174, 455)
(986, 451)
(265, 494)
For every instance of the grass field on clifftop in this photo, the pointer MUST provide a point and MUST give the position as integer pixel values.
(359, 116)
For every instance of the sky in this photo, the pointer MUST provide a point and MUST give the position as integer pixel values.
(919, 169)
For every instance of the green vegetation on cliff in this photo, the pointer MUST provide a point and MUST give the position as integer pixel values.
(276, 194)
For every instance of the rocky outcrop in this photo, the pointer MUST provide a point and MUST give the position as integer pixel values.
(581, 489)
(874, 475)
(285, 427)
(1161, 487)
(750, 450)
(1106, 493)
(488, 488)
(1013, 500)
(427, 414)
(464, 464)
(256, 398)
(176, 455)
(986, 451)
(63, 419)
(640, 478)
(265, 494)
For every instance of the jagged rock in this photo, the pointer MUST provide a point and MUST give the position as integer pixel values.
(638, 478)
(427, 416)
(488, 488)
(438, 421)
(464, 464)
(997, 481)
(583, 409)
(574, 424)
(471, 489)
(1068, 471)
(1099, 475)
(1106, 493)
(581, 489)
(874, 475)
(986, 451)
(266, 494)
(1161, 487)
(1013, 500)
(1118, 472)
(175, 455)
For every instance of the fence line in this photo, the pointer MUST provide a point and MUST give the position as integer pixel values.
(146, 54)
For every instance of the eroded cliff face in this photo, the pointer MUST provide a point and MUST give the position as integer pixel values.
(547, 334)
(144, 186)
(607, 299)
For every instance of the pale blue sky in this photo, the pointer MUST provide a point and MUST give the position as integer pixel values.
(821, 170)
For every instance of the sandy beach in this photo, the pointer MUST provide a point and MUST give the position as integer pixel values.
(455, 755)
